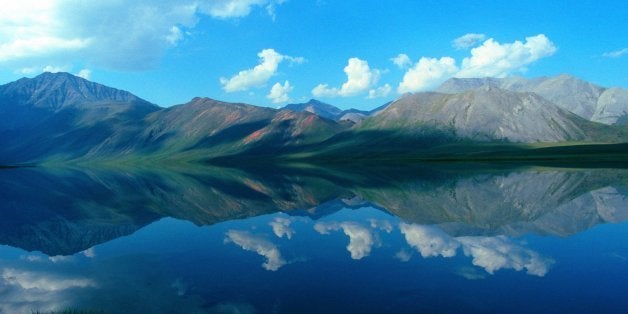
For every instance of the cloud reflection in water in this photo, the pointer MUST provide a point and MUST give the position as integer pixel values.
(258, 244)
(490, 253)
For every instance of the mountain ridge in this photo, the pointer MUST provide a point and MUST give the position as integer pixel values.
(58, 90)
(590, 101)
(486, 113)
(331, 112)
(61, 117)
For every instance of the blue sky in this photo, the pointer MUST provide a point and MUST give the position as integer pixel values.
(273, 52)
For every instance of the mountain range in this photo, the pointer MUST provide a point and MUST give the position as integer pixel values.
(58, 117)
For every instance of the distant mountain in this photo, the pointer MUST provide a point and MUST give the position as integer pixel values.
(592, 102)
(59, 116)
(318, 108)
(329, 111)
(486, 113)
(59, 90)
(26, 102)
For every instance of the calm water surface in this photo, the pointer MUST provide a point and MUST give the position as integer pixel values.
(312, 240)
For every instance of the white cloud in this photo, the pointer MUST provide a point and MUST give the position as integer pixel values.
(25, 290)
(85, 73)
(490, 59)
(402, 61)
(281, 227)
(279, 93)
(260, 245)
(427, 73)
(21, 48)
(121, 35)
(490, 253)
(323, 90)
(361, 240)
(55, 69)
(41, 281)
(360, 78)
(260, 74)
(226, 9)
(498, 60)
(429, 241)
(616, 53)
(495, 253)
(380, 92)
(467, 41)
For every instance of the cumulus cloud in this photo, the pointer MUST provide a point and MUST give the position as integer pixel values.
(402, 61)
(616, 53)
(268, 64)
(279, 93)
(427, 73)
(490, 253)
(361, 239)
(260, 245)
(494, 253)
(281, 227)
(360, 77)
(121, 35)
(467, 41)
(488, 59)
(498, 60)
(380, 92)
(429, 241)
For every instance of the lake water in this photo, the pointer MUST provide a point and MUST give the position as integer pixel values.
(305, 239)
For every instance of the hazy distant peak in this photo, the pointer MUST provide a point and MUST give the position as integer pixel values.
(316, 107)
(484, 113)
(567, 91)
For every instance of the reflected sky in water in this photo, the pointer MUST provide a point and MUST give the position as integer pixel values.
(514, 241)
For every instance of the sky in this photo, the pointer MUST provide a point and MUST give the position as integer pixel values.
(350, 53)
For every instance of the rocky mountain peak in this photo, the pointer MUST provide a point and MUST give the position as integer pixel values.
(59, 90)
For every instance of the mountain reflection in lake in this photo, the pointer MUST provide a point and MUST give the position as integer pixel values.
(314, 240)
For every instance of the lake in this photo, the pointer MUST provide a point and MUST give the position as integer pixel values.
(305, 239)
